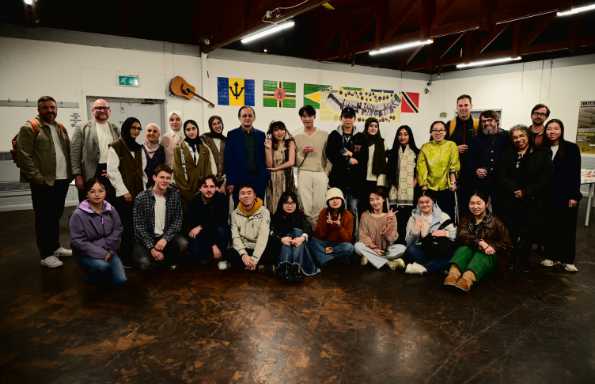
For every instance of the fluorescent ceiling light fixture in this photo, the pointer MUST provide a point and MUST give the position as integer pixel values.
(268, 31)
(488, 62)
(400, 47)
(574, 11)
(28, 2)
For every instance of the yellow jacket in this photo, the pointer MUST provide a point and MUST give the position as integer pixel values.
(435, 162)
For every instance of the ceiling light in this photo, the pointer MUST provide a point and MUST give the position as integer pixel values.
(267, 31)
(574, 11)
(400, 47)
(28, 2)
(488, 62)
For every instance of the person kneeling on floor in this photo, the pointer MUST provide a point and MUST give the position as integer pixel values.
(157, 216)
(430, 238)
(484, 239)
(377, 233)
(334, 230)
(250, 227)
(95, 234)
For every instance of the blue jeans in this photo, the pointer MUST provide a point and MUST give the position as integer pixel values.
(298, 255)
(99, 269)
(201, 247)
(342, 251)
(416, 254)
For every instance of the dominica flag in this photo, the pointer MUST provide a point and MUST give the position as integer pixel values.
(280, 94)
(235, 91)
(312, 94)
(409, 102)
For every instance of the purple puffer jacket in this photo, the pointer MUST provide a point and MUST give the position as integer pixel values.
(92, 234)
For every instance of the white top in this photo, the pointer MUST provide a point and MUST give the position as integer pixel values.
(104, 139)
(380, 179)
(114, 175)
(159, 214)
(554, 149)
(61, 165)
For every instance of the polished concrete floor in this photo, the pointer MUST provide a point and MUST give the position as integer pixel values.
(349, 325)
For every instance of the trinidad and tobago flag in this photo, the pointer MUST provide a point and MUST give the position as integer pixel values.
(409, 102)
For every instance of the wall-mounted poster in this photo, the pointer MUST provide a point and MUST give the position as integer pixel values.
(235, 91)
(385, 105)
(585, 133)
(279, 94)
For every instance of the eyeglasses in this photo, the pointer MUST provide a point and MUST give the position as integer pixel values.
(101, 108)
(540, 113)
(289, 202)
(438, 130)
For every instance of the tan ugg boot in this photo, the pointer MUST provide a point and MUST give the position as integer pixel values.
(453, 275)
(466, 281)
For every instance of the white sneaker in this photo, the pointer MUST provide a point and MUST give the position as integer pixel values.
(51, 262)
(570, 268)
(222, 265)
(63, 252)
(415, 269)
(547, 263)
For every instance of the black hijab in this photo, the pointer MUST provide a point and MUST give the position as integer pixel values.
(194, 143)
(125, 133)
(379, 159)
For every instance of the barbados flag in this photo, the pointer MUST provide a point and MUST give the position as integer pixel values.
(280, 94)
(235, 91)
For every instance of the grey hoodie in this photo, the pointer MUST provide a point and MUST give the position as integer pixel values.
(92, 234)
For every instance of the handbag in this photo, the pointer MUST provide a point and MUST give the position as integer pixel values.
(435, 247)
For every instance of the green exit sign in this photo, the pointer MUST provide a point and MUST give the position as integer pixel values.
(128, 81)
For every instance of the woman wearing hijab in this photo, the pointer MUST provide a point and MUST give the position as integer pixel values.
(126, 171)
(191, 162)
(402, 159)
(154, 152)
(214, 140)
(375, 162)
(172, 138)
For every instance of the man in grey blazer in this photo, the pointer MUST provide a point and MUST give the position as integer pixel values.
(89, 147)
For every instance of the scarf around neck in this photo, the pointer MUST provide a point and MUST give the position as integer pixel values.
(249, 212)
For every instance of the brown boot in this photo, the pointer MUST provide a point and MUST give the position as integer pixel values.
(466, 281)
(451, 280)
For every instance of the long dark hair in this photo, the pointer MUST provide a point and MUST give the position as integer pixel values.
(276, 125)
(411, 143)
(125, 133)
(562, 141)
(285, 196)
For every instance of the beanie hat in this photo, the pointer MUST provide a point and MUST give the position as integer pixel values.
(333, 193)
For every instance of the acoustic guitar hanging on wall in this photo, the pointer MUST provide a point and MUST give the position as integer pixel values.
(180, 87)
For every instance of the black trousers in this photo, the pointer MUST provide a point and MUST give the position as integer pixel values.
(125, 211)
(142, 258)
(48, 205)
(445, 200)
(561, 242)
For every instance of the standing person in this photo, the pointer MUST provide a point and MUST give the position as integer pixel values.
(214, 140)
(157, 223)
(377, 233)
(191, 162)
(564, 198)
(430, 238)
(333, 236)
(95, 233)
(347, 152)
(206, 218)
(375, 162)
(483, 240)
(461, 130)
(486, 151)
(524, 177)
(437, 167)
(154, 152)
(43, 156)
(290, 231)
(537, 136)
(90, 146)
(280, 158)
(250, 227)
(173, 137)
(402, 176)
(244, 155)
(126, 165)
(312, 164)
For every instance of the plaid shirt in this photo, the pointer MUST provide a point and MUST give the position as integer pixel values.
(144, 216)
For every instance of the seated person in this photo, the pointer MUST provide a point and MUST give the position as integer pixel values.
(95, 234)
(250, 223)
(430, 236)
(206, 219)
(157, 217)
(290, 230)
(484, 238)
(333, 236)
(377, 233)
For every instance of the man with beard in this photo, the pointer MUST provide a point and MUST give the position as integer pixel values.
(539, 115)
(90, 146)
(43, 155)
(485, 153)
(215, 142)
(206, 218)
